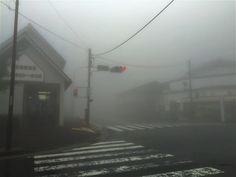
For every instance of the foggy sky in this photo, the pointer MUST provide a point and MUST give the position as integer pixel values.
(199, 30)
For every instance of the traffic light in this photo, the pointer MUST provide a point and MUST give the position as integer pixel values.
(118, 69)
(103, 68)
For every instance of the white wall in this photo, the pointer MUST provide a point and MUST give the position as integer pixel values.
(204, 82)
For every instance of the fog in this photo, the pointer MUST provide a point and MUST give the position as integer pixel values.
(196, 30)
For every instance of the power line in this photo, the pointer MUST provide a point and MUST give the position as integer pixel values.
(44, 28)
(141, 66)
(64, 21)
(132, 36)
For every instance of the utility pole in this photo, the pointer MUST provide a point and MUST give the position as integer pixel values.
(190, 89)
(12, 82)
(87, 110)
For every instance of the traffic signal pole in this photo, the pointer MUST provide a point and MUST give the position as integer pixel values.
(12, 83)
(190, 89)
(87, 110)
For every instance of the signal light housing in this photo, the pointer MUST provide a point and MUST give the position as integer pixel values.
(118, 69)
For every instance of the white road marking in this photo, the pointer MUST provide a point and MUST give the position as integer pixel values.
(144, 126)
(197, 172)
(105, 171)
(115, 129)
(110, 170)
(140, 126)
(159, 126)
(168, 126)
(135, 127)
(124, 128)
(108, 142)
(87, 157)
(102, 162)
(102, 146)
(86, 152)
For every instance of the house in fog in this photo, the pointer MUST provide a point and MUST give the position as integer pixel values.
(213, 93)
(40, 80)
(143, 102)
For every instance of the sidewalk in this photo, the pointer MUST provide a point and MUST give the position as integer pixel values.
(37, 139)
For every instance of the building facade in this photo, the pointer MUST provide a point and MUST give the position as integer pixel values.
(213, 93)
(40, 80)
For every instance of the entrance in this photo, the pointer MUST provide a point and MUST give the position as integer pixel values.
(41, 104)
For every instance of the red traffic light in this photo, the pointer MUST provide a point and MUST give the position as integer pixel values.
(118, 69)
(123, 68)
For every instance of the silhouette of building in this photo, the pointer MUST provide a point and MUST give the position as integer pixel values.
(213, 92)
(40, 80)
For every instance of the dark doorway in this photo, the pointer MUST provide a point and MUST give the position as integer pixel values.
(41, 104)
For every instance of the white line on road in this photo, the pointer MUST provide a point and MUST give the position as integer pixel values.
(144, 126)
(125, 128)
(197, 172)
(102, 162)
(87, 157)
(111, 170)
(105, 171)
(135, 127)
(102, 146)
(115, 129)
(108, 142)
(86, 152)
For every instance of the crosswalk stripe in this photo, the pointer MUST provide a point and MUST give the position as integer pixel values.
(102, 146)
(140, 126)
(132, 127)
(87, 157)
(115, 129)
(125, 128)
(101, 162)
(105, 171)
(144, 126)
(159, 126)
(112, 170)
(135, 127)
(168, 125)
(197, 172)
(86, 152)
(108, 142)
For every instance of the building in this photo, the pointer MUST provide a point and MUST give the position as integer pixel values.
(213, 93)
(142, 102)
(40, 80)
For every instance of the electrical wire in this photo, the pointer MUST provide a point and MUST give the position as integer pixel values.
(44, 28)
(137, 32)
(64, 21)
(141, 66)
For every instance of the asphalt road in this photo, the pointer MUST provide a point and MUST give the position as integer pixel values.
(140, 150)
(204, 144)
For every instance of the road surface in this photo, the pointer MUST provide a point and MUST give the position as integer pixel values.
(148, 150)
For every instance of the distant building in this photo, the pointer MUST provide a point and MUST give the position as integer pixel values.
(40, 80)
(213, 93)
(143, 102)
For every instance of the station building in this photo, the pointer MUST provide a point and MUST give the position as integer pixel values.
(40, 80)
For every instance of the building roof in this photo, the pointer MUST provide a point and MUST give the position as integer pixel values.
(214, 68)
(151, 88)
(216, 87)
(29, 35)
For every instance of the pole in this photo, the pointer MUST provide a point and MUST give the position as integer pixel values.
(190, 89)
(12, 82)
(222, 109)
(87, 110)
